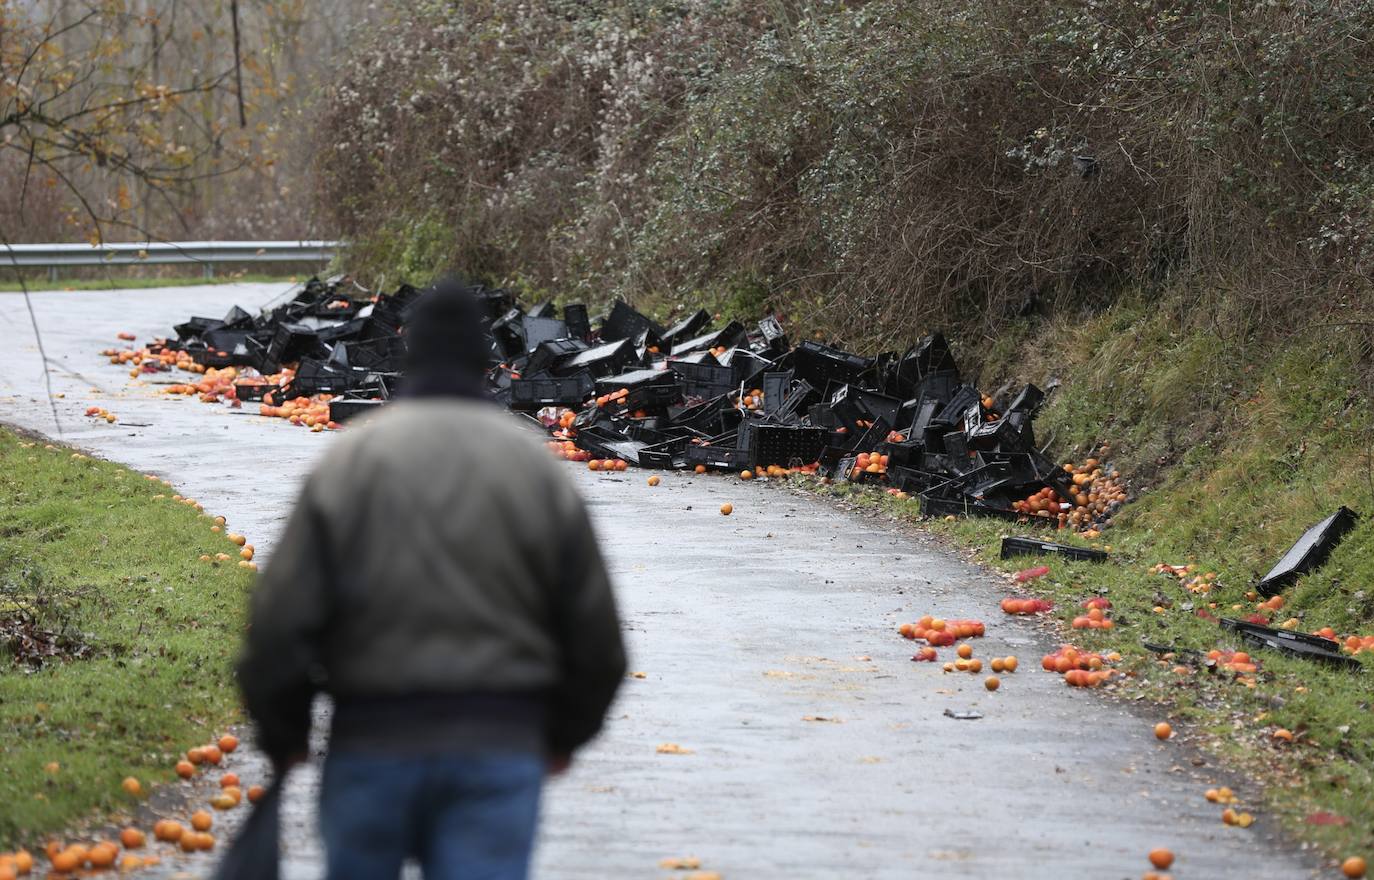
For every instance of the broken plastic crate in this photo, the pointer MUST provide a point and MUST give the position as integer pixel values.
(1013, 546)
(1292, 643)
(1310, 552)
(541, 391)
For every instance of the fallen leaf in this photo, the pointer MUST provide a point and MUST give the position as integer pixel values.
(638, 675)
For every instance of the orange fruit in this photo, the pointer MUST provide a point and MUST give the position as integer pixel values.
(52, 848)
(103, 855)
(654, 481)
(213, 755)
(130, 863)
(246, 553)
(1010, 664)
(65, 862)
(965, 650)
(255, 793)
(727, 509)
(234, 792)
(171, 831)
(992, 682)
(1353, 867)
(975, 665)
(187, 842)
(131, 786)
(223, 802)
(132, 838)
(699, 469)
(1161, 858)
(23, 861)
(195, 756)
(228, 779)
(997, 665)
(185, 769)
(238, 539)
(201, 820)
(746, 475)
(205, 841)
(1163, 730)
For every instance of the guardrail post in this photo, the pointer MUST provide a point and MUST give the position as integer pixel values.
(209, 270)
(52, 274)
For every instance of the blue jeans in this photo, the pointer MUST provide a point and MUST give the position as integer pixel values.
(469, 816)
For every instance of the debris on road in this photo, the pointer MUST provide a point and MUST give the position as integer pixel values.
(963, 714)
(688, 397)
(1294, 644)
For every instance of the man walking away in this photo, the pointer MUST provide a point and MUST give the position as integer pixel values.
(439, 578)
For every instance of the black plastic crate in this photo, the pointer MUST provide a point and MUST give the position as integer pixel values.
(1013, 546)
(820, 364)
(342, 409)
(774, 337)
(709, 380)
(786, 445)
(1292, 643)
(579, 324)
(195, 328)
(542, 391)
(747, 368)
(1310, 552)
(625, 323)
(603, 360)
(549, 355)
(250, 391)
(936, 506)
(714, 454)
(689, 327)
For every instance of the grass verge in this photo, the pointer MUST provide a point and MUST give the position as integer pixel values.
(1234, 451)
(144, 633)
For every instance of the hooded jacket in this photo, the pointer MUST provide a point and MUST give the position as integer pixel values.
(439, 574)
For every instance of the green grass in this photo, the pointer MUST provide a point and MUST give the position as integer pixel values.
(88, 550)
(1234, 451)
(120, 283)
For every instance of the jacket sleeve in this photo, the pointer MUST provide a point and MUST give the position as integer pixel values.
(587, 629)
(290, 607)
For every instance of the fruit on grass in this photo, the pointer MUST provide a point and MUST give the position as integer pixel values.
(131, 786)
(1163, 730)
(196, 755)
(1161, 858)
(1353, 867)
(185, 769)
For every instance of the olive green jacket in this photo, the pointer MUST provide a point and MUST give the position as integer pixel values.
(437, 549)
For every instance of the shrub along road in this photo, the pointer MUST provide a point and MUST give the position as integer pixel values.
(767, 640)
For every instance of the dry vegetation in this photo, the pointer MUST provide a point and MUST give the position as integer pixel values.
(870, 168)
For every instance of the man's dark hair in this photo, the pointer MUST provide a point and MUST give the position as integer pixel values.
(448, 344)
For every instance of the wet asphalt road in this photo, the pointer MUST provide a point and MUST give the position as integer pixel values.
(768, 647)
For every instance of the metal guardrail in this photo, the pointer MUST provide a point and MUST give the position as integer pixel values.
(206, 253)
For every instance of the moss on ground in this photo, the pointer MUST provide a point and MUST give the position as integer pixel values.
(88, 550)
